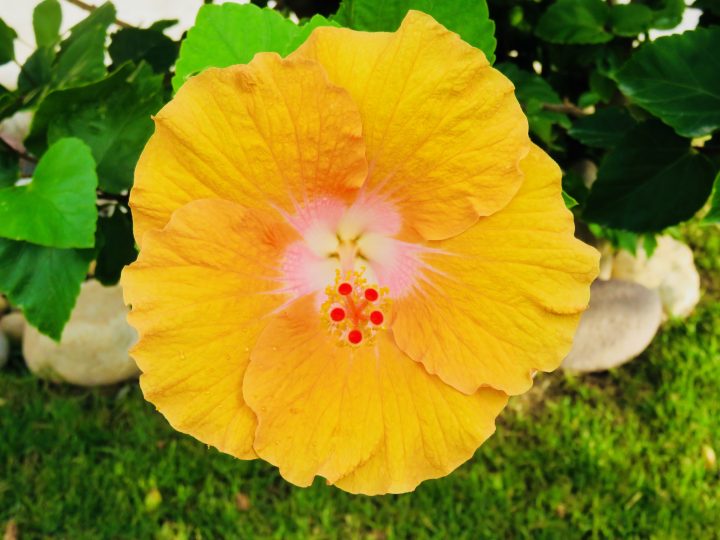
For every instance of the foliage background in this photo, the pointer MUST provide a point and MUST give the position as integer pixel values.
(634, 125)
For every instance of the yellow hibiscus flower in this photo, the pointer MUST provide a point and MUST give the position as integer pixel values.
(350, 257)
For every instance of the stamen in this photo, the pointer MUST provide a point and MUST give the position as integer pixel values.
(346, 309)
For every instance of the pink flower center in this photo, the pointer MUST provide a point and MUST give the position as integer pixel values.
(350, 254)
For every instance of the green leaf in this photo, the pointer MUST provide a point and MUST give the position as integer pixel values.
(709, 6)
(9, 166)
(229, 34)
(163, 24)
(7, 45)
(300, 33)
(118, 246)
(604, 87)
(10, 103)
(57, 208)
(36, 72)
(136, 44)
(575, 21)
(112, 116)
(629, 20)
(574, 186)
(47, 17)
(629, 241)
(676, 79)
(534, 92)
(604, 129)
(667, 13)
(82, 55)
(652, 179)
(44, 282)
(713, 216)
(469, 18)
(570, 202)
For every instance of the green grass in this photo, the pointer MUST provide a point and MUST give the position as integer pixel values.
(603, 456)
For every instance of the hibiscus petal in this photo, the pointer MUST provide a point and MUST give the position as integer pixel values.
(274, 131)
(443, 129)
(367, 418)
(199, 292)
(504, 298)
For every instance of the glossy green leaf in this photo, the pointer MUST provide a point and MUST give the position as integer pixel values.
(629, 20)
(136, 44)
(47, 18)
(230, 34)
(677, 79)
(57, 207)
(575, 21)
(117, 246)
(651, 180)
(469, 18)
(112, 116)
(534, 93)
(44, 282)
(713, 216)
(7, 43)
(604, 129)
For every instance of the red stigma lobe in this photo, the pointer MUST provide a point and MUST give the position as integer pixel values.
(355, 311)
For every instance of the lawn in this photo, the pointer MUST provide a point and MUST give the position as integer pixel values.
(620, 454)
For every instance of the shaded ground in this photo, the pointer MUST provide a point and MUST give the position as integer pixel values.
(623, 454)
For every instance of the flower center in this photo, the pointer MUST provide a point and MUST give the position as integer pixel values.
(355, 311)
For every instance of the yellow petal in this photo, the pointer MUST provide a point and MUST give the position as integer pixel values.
(502, 299)
(199, 292)
(443, 130)
(273, 131)
(367, 418)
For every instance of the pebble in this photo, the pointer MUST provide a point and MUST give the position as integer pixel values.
(95, 343)
(619, 324)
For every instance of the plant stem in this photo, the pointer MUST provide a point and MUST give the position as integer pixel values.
(566, 108)
(91, 8)
(23, 155)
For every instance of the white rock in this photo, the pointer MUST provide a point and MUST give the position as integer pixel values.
(95, 343)
(13, 326)
(4, 349)
(618, 325)
(671, 270)
(607, 256)
(15, 128)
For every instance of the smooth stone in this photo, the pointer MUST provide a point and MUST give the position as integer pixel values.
(95, 343)
(13, 326)
(671, 270)
(607, 256)
(619, 324)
